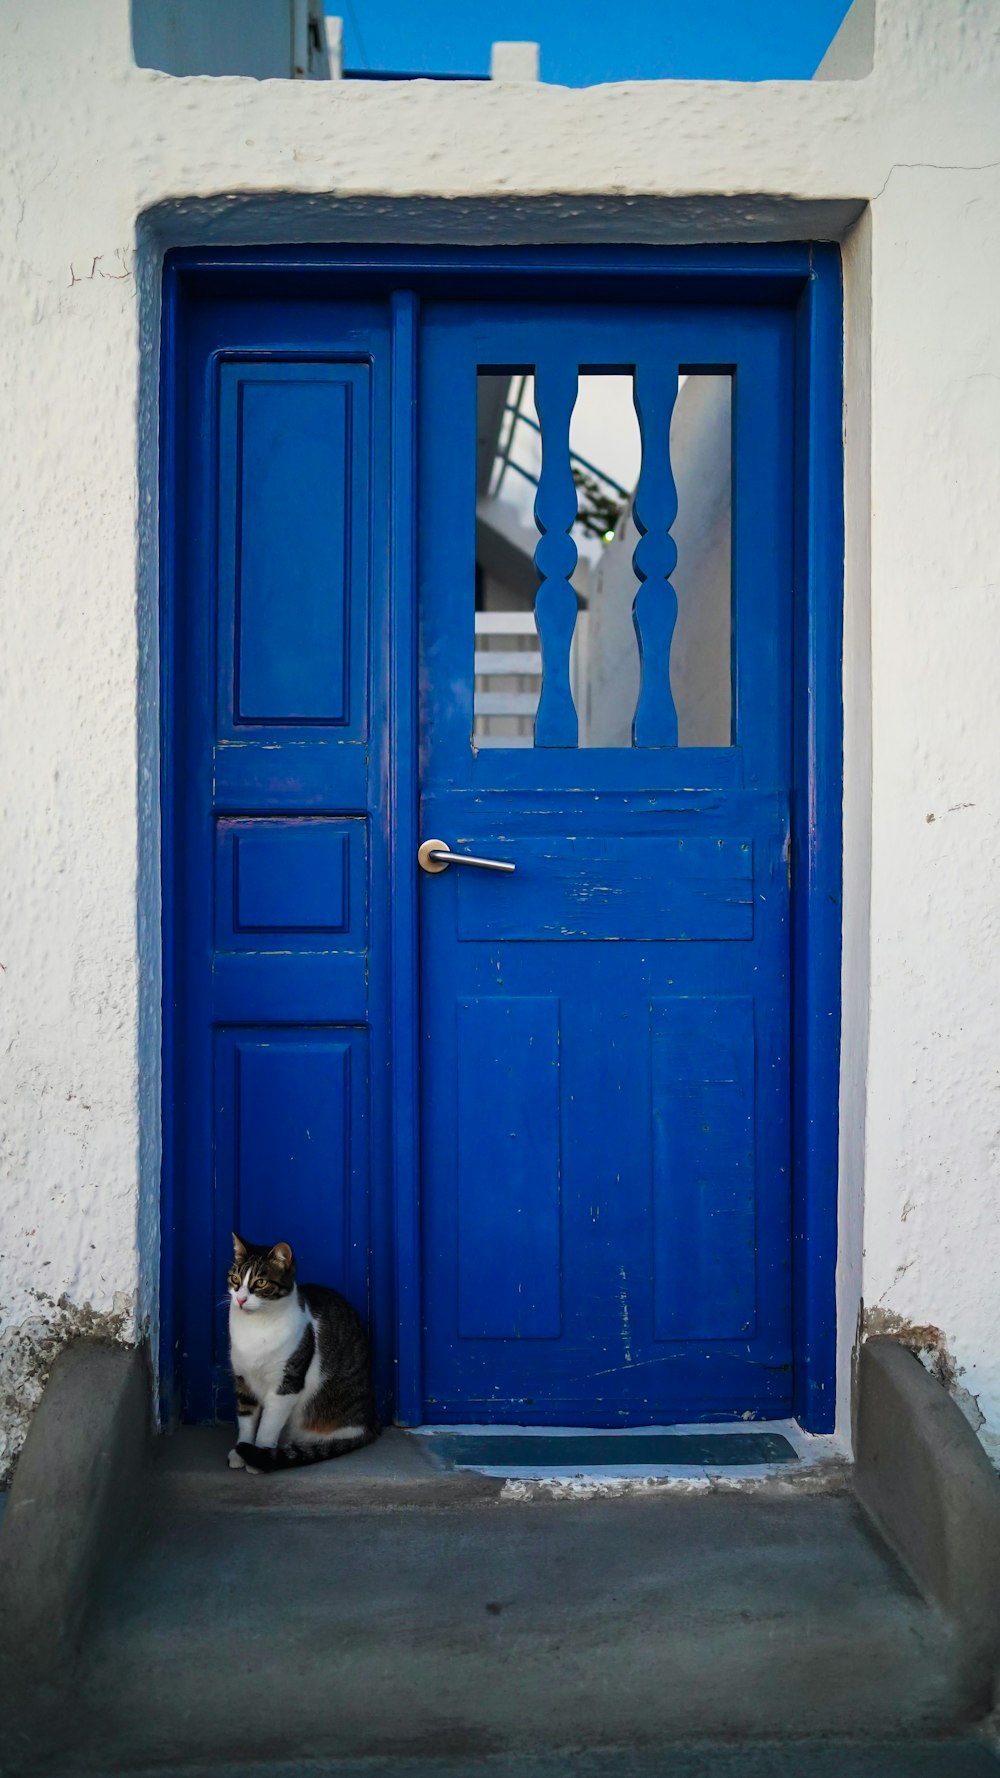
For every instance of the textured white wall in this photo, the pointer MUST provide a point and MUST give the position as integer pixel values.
(88, 145)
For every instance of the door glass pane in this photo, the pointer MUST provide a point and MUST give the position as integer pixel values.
(604, 437)
(616, 511)
(701, 657)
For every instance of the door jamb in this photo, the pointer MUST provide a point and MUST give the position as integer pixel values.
(402, 852)
(817, 834)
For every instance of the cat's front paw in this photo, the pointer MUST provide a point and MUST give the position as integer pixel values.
(234, 1459)
(246, 1453)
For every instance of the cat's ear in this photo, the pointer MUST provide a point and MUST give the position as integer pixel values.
(239, 1247)
(281, 1254)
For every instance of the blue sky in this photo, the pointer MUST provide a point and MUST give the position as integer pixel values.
(584, 41)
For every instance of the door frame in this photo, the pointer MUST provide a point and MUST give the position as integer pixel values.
(808, 280)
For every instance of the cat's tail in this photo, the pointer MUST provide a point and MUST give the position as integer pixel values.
(295, 1454)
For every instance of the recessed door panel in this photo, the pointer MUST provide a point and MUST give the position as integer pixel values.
(304, 877)
(508, 1169)
(292, 1151)
(293, 544)
(704, 1188)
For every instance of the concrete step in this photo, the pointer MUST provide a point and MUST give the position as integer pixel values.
(966, 1758)
(412, 1614)
(189, 1470)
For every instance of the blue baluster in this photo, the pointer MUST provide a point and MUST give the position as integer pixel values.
(654, 509)
(555, 555)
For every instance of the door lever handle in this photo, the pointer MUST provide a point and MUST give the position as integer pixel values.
(434, 857)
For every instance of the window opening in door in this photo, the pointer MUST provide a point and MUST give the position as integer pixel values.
(603, 599)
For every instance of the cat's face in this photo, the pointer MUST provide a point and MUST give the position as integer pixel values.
(259, 1277)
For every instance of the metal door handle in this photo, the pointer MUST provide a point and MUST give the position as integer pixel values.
(434, 857)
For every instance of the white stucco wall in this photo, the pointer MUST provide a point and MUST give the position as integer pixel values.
(89, 144)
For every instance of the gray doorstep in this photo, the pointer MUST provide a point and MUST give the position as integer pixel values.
(408, 1619)
(504, 1627)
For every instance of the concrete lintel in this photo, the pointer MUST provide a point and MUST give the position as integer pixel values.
(244, 219)
(73, 1499)
(927, 1483)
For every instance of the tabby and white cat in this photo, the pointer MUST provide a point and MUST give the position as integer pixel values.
(300, 1364)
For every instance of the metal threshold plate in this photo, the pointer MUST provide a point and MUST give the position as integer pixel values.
(609, 1450)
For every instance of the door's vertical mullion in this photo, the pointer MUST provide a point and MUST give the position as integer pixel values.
(556, 554)
(403, 842)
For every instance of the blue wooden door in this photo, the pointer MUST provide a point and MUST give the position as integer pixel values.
(605, 1031)
(275, 819)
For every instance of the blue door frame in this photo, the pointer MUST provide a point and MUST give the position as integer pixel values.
(808, 281)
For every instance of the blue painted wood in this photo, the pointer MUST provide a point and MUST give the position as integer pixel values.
(303, 875)
(610, 887)
(509, 1271)
(291, 1121)
(291, 1141)
(292, 591)
(555, 556)
(294, 881)
(704, 1174)
(818, 847)
(571, 770)
(238, 301)
(293, 567)
(622, 899)
(654, 510)
(403, 802)
(778, 272)
(298, 986)
(278, 684)
(289, 774)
